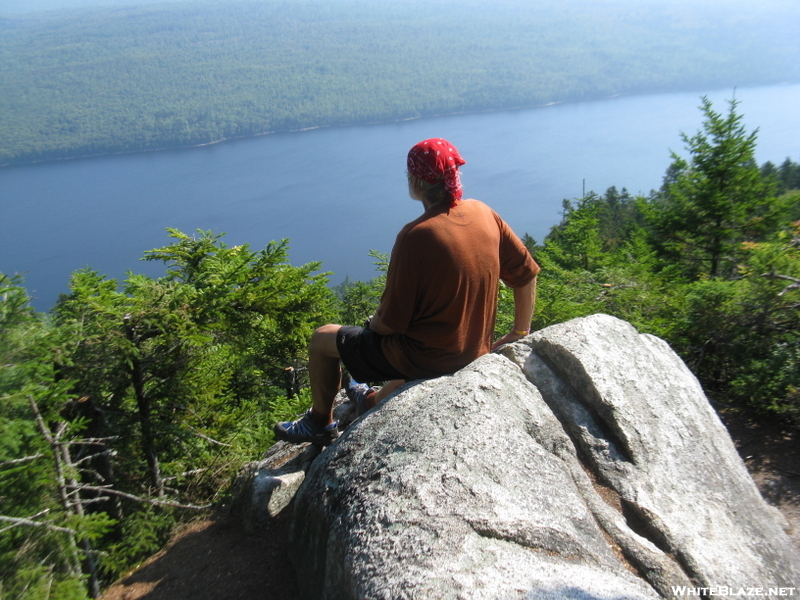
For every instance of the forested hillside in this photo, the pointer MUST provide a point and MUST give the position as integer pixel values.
(102, 80)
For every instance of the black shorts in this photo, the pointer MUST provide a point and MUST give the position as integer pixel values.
(361, 353)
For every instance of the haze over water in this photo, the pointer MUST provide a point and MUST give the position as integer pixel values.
(339, 192)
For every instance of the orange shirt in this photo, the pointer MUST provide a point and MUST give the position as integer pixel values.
(441, 289)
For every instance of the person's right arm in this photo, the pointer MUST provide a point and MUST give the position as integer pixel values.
(524, 305)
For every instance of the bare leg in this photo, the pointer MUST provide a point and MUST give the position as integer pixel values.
(325, 371)
(388, 388)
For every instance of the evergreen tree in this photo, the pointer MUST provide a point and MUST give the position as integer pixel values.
(714, 201)
(358, 300)
(741, 337)
(46, 538)
(576, 243)
(789, 175)
(769, 172)
(188, 371)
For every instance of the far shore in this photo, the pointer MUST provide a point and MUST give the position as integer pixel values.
(349, 124)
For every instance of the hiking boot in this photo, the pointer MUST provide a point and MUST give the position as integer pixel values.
(358, 392)
(305, 429)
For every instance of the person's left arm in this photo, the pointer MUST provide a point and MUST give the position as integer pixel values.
(396, 307)
(376, 324)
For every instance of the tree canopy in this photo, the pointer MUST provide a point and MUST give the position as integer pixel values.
(709, 262)
(141, 402)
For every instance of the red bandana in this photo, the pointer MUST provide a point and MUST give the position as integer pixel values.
(435, 159)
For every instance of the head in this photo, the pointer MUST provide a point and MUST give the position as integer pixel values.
(430, 193)
(433, 175)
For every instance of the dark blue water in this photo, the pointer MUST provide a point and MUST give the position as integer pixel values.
(337, 193)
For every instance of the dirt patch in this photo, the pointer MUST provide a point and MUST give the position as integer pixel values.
(212, 560)
(771, 452)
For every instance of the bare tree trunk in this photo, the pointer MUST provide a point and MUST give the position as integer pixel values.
(77, 508)
(61, 458)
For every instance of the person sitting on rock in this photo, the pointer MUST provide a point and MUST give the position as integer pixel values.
(437, 312)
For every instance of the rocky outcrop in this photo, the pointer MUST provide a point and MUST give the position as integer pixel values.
(582, 462)
(640, 418)
(264, 488)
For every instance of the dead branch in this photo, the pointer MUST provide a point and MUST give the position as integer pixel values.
(185, 474)
(17, 521)
(20, 460)
(792, 286)
(61, 458)
(88, 457)
(208, 439)
(92, 441)
(93, 500)
(152, 501)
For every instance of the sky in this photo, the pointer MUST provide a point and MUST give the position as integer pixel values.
(8, 7)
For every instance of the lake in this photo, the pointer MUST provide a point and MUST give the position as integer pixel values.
(337, 193)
